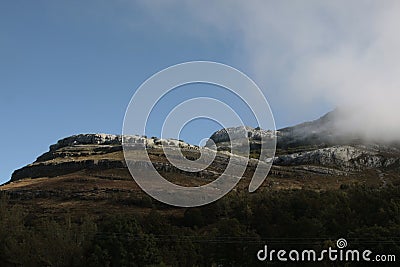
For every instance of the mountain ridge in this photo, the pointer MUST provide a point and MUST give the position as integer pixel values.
(102, 152)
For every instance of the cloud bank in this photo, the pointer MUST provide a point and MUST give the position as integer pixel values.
(346, 53)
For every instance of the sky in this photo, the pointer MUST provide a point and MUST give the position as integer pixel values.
(70, 67)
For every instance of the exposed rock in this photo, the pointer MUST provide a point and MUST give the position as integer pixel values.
(347, 158)
(241, 132)
(111, 139)
(85, 139)
(235, 139)
(95, 152)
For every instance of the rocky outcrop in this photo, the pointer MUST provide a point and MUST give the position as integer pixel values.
(111, 139)
(237, 133)
(96, 152)
(236, 138)
(349, 158)
(88, 139)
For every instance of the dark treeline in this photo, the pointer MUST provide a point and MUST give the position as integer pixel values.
(228, 232)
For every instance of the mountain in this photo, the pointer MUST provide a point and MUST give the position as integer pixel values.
(317, 143)
(312, 149)
(320, 132)
(77, 204)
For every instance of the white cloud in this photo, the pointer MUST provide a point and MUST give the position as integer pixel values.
(345, 52)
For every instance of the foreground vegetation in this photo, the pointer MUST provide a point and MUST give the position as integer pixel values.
(228, 232)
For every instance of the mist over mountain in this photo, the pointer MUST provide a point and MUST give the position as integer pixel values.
(311, 54)
(328, 130)
(340, 126)
(317, 144)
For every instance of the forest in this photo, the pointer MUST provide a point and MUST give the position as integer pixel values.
(228, 232)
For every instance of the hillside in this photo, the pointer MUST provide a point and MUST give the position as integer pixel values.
(316, 191)
(92, 166)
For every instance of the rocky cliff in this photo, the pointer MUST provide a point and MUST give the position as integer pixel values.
(345, 157)
(96, 152)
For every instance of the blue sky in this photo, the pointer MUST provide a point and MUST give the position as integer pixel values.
(69, 67)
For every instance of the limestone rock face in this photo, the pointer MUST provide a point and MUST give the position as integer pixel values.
(350, 158)
(239, 139)
(116, 140)
(236, 133)
(93, 152)
(85, 139)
